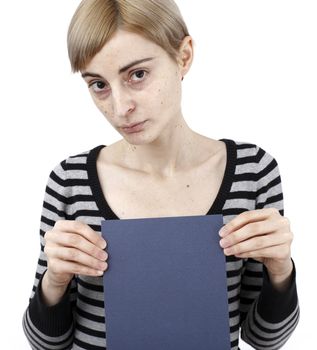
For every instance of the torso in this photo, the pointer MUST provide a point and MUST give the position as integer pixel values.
(134, 194)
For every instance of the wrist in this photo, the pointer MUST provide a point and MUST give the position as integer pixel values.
(281, 278)
(51, 292)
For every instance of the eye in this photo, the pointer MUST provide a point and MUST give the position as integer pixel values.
(98, 86)
(139, 74)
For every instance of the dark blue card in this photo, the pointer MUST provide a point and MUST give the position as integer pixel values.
(166, 286)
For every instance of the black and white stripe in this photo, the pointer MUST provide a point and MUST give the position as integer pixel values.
(251, 181)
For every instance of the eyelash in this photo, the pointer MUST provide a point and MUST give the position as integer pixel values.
(93, 83)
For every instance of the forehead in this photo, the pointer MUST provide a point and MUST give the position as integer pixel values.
(124, 47)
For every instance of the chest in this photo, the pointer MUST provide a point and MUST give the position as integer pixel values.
(132, 194)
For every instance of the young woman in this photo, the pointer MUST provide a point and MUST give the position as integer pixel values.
(133, 56)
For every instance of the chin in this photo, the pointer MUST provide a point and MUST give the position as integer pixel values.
(139, 139)
(136, 141)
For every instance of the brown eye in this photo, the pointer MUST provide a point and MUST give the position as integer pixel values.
(139, 74)
(98, 86)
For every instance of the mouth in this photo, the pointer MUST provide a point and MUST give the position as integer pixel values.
(131, 128)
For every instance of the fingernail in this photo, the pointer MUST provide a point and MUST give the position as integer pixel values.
(228, 251)
(103, 245)
(223, 231)
(102, 266)
(103, 255)
(223, 243)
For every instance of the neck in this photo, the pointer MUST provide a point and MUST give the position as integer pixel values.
(172, 151)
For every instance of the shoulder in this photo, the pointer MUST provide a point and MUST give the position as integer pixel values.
(74, 163)
(257, 170)
(251, 152)
(251, 161)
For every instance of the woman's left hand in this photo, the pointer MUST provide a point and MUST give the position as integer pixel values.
(263, 235)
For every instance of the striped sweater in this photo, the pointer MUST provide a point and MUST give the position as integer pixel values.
(265, 317)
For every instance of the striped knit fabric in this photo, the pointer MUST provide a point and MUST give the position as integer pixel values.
(265, 317)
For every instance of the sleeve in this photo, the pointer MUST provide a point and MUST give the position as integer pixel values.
(267, 317)
(50, 327)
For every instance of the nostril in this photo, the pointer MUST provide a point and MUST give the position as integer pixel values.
(131, 109)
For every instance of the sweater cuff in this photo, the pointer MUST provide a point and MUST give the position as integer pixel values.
(53, 320)
(274, 305)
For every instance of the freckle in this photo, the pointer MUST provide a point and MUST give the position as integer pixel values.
(187, 185)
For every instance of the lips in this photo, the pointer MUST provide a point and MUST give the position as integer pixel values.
(130, 125)
(133, 128)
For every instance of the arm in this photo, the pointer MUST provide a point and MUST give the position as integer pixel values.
(269, 307)
(268, 316)
(268, 299)
(46, 325)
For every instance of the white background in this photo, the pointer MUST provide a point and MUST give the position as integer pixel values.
(254, 78)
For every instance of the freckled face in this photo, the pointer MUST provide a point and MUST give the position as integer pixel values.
(148, 91)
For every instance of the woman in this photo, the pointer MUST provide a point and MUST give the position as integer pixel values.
(133, 55)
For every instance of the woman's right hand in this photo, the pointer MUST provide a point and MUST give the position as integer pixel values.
(72, 247)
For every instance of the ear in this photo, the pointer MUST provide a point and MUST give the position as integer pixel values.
(186, 55)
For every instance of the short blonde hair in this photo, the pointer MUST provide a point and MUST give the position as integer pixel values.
(95, 21)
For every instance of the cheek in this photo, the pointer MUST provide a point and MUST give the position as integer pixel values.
(167, 92)
(169, 95)
(103, 107)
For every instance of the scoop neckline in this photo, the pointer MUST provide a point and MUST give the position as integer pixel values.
(215, 208)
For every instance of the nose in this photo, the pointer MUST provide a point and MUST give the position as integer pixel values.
(122, 104)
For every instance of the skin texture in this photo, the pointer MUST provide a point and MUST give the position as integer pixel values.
(151, 91)
(262, 235)
(156, 97)
(71, 247)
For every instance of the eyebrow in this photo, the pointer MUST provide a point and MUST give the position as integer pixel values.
(121, 70)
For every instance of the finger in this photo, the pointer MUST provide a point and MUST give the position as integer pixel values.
(274, 252)
(77, 241)
(259, 243)
(83, 229)
(65, 267)
(252, 229)
(74, 255)
(246, 217)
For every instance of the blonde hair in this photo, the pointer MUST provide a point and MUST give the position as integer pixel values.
(95, 21)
